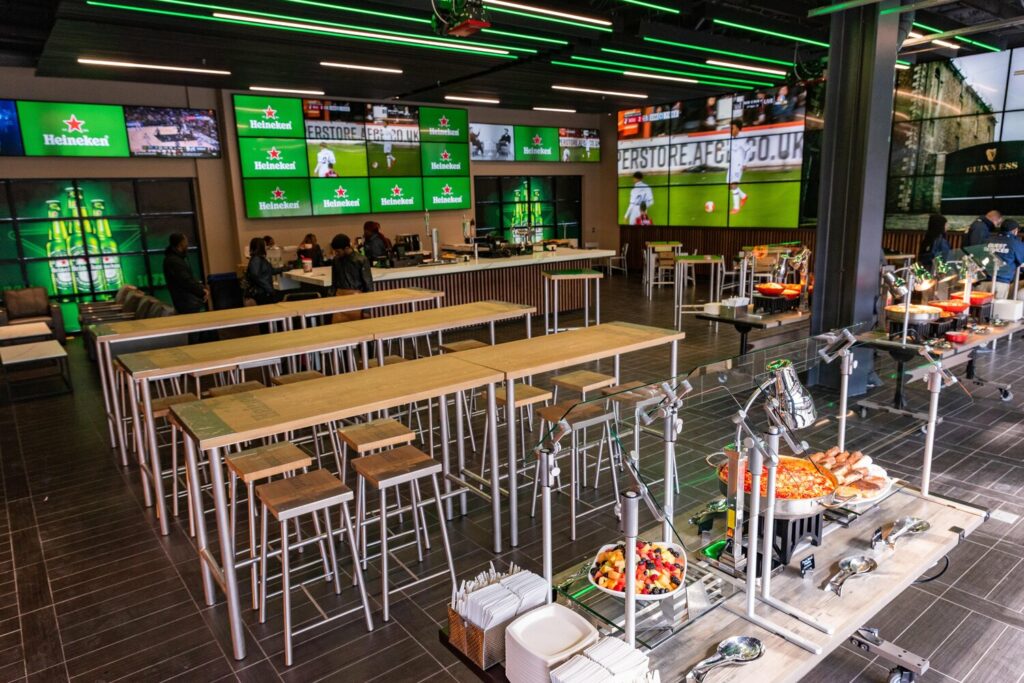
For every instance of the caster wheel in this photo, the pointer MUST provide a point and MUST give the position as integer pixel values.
(1005, 395)
(924, 429)
(863, 413)
(901, 675)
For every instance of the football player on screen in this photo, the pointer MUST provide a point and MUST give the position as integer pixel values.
(324, 161)
(741, 153)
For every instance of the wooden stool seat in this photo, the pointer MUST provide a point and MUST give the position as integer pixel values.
(267, 461)
(388, 360)
(464, 345)
(583, 381)
(251, 385)
(370, 436)
(162, 406)
(630, 393)
(295, 377)
(396, 466)
(526, 395)
(572, 412)
(303, 494)
(212, 371)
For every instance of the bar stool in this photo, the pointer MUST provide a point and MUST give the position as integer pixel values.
(463, 345)
(468, 400)
(366, 437)
(579, 417)
(526, 395)
(220, 377)
(295, 377)
(231, 389)
(582, 382)
(162, 411)
(388, 360)
(390, 469)
(288, 499)
(251, 466)
(585, 275)
(629, 395)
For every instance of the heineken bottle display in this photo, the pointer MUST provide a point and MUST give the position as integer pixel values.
(113, 277)
(81, 243)
(57, 249)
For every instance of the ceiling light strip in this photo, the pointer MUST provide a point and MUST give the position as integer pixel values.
(467, 98)
(662, 77)
(700, 79)
(547, 12)
(943, 43)
(289, 91)
(712, 50)
(525, 36)
(555, 109)
(541, 17)
(746, 67)
(157, 67)
(746, 80)
(361, 67)
(766, 32)
(652, 5)
(962, 39)
(697, 65)
(360, 10)
(592, 91)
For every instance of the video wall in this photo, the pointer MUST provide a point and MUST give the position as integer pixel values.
(957, 140)
(529, 208)
(507, 142)
(66, 129)
(83, 239)
(328, 157)
(729, 161)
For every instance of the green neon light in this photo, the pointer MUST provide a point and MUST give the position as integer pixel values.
(746, 77)
(968, 41)
(701, 48)
(722, 80)
(541, 17)
(652, 5)
(359, 10)
(766, 32)
(903, 62)
(333, 24)
(587, 66)
(525, 36)
(622, 72)
(186, 15)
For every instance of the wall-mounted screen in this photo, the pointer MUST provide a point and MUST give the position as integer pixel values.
(528, 208)
(172, 132)
(10, 133)
(72, 130)
(328, 157)
(507, 142)
(732, 161)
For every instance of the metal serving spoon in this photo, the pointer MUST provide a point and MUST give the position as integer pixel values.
(893, 531)
(735, 650)
(848, 567)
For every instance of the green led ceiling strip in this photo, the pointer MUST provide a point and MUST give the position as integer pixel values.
(968, 41)
(203, 17)
(541, 17)
(652, 5)
(701, 48)
(360, 10)
(352, 27)
(746, 76)
(587, 66)
(524, 36)
(766, 32)
(721, 80)
(622, 72)
(902, 62)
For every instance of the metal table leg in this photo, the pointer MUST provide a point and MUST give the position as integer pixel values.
(227, 553)
(154, 458)
(147, 495)
(199, 520)
(511, 420)
(492, 431)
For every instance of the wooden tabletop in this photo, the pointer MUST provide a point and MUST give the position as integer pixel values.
(527, 357)
(759, 322)
(230, 352)
(862, 598)
(11, 332)
(699, 258)
(574, 274)
(358, 302)
(218, 422)
(882, 340)
(26, 353)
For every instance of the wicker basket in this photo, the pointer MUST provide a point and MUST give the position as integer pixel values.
(483, 648)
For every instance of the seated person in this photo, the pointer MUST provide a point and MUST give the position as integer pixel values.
(350, 270)
(259, 274)
(312, 250)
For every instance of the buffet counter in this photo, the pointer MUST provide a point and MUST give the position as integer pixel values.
(516, 279)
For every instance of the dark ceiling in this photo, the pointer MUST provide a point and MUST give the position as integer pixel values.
(52, 34)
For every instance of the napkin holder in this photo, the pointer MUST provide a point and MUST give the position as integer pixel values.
(485, 648)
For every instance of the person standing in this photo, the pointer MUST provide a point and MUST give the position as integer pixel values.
(350, 270)
(1007, 246)
(187, 293)
(375, 245)
(934, 243)
(324, 161)
(640, 196)
(983, 227)
(259, 274)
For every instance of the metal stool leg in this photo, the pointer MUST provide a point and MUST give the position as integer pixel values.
(286, 598)
(357, 572)
(384, 551)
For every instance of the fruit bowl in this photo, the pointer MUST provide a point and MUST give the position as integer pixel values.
(609, 565)
(770, 289)
(951, 306)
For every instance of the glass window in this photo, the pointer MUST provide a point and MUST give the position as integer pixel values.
(568, 188)
(903, 154)
(43, 198)
(165, 196)
(107, 197)
(8, 241)
(159, 228)
(10, 276)
(487, 189)
(940, 137)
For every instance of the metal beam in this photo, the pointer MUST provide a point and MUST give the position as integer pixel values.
(839, 7)
(966, 31)
(914, 6)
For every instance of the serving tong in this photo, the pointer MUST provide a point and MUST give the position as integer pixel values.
(893, 531)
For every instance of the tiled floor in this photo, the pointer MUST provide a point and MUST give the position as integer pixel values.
(90, 591)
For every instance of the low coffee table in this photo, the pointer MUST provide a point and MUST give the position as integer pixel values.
(19, 334)
(35, 353)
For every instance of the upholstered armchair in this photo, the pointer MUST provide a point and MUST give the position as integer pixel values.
(32, 305)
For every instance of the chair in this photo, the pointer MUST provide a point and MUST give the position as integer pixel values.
(619, 262)
(32, 305)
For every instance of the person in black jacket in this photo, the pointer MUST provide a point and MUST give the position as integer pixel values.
(259, 274)
(375, 245)
(312, 250)
(350, 270)
(187, 293)
(982, 227)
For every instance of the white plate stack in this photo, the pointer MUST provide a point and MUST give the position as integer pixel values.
(542, 639)
(610, 660)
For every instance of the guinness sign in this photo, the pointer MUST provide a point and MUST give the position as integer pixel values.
(982, 177)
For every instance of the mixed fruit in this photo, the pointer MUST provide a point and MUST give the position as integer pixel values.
(659, 570)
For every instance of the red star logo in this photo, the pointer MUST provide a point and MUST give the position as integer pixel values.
(74, 125)
(447, 189)
(536, 139)
(396, 191)
(278, 193)
(445, 156)
(274, 153)
(443, 121)
(269, 113)
(340, 192)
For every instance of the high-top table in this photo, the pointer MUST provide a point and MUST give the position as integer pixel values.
(151, 330)
(521, 359)
(213, 424)
(144, 367)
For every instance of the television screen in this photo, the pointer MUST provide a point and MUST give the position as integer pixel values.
(491, 142)
(10, 134)
(67, 129)
(172, 132)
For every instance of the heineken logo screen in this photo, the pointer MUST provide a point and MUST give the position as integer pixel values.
(446, 193)
(268, 116)
(440, 124)
(445, 159)
(67, 129)
(536, 144)
(396, 194)
(276, 198)
(335, 196)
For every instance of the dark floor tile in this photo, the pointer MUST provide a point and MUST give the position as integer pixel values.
(986, 572)
(997, 665)
(33, 587)
(42, 649)
(840, 665)
(966, 645)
